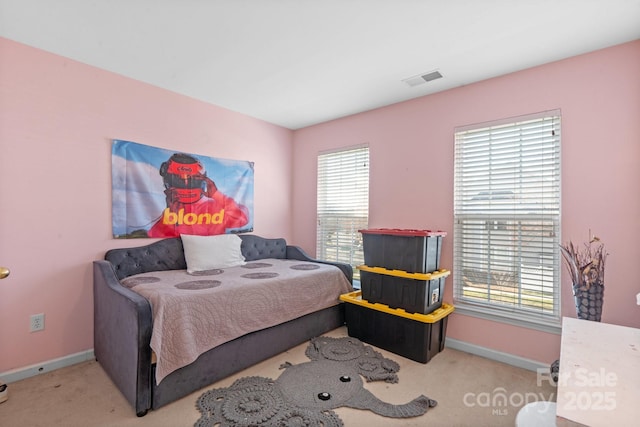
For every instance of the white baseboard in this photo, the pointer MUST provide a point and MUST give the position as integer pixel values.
(498, 356)
(51, 365)
(48, 366)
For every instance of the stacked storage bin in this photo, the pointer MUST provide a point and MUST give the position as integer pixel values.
(399, 307)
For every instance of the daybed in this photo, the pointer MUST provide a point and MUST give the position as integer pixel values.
(123, 323)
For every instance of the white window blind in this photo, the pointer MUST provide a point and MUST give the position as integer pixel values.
(507, 218)
(343, 204)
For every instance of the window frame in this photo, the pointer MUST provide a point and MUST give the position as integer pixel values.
(342, 204)
(502, 213)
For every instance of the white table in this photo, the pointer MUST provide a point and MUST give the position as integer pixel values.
(599, 382)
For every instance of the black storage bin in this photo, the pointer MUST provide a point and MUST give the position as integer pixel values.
(413, 292)
(413, 251)
(417, 337)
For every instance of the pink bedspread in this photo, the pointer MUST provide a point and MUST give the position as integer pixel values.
(195, 313)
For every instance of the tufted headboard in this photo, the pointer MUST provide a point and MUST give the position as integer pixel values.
(168, 254)
(255, 247)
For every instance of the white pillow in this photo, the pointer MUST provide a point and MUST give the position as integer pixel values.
(210, 252)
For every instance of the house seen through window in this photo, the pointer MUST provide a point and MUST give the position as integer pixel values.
(507, 220)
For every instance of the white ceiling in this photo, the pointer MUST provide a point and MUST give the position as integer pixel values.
(300, 62)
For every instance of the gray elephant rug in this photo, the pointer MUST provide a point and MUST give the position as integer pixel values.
(305, 394)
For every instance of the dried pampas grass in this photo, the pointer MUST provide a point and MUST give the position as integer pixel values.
(586, 264)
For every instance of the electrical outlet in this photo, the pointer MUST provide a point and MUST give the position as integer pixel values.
(37, 322)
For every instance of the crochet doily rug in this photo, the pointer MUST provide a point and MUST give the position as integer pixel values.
(306, 394)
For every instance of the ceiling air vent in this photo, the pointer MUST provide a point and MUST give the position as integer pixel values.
(422, 78)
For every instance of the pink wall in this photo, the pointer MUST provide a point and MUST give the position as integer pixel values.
(57, 118)
(411, 175)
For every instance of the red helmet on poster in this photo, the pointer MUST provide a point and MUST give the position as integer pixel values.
(185, 179)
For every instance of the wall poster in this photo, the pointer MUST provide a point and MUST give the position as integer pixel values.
(165, 193)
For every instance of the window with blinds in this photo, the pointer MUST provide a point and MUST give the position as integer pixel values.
(507, 219)
(343, 204)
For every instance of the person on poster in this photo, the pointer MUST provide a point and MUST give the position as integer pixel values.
(194, 204)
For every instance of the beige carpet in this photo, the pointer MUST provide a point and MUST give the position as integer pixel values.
(470, 390)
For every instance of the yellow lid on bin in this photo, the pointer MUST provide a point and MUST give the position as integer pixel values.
(433, 317)
(401, 273)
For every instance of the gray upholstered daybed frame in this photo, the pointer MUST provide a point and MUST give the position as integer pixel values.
(123, 323)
